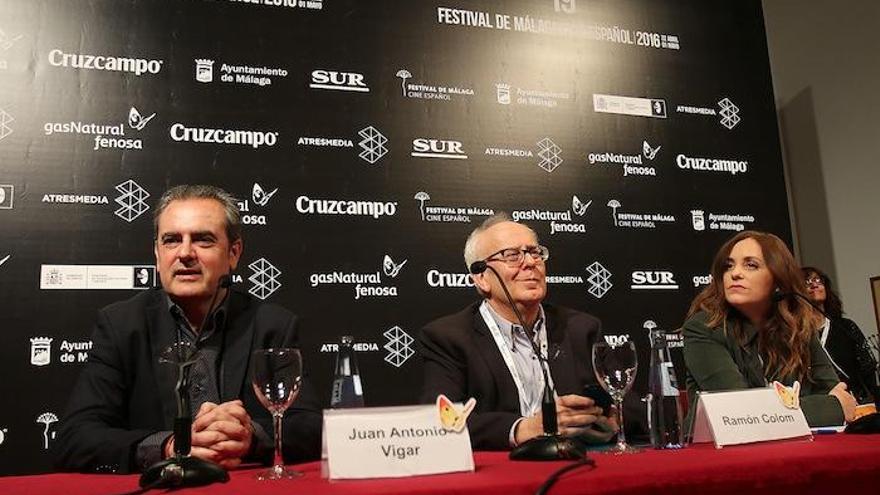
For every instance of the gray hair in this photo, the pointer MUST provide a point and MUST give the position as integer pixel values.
(201, 191)
(470, 246)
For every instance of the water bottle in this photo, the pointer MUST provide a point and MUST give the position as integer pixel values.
(347, 390)
(664, 403)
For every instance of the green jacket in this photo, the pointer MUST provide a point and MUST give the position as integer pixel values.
(716, 361)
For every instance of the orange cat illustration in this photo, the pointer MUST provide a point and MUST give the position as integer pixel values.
(790, 396)
(452, 418)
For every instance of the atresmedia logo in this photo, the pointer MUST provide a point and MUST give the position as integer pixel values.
(399, 346)
(598, 279)
(373, 144)
(131, 200)
(727, 112)
(6, 120)
(549, 153)
(264, 278)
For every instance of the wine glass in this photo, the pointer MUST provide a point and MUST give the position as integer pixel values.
(615, 367)
(276, 377)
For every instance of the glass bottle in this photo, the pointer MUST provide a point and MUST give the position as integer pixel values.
(347, 390)
(664, 401)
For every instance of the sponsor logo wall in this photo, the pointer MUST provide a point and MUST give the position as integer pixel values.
(361, 154)
(106, 135)
(238, 73)
(106, 63)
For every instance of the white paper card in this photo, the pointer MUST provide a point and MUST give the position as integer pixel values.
(746, 416)
(391, 442)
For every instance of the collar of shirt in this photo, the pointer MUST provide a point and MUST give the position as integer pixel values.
(182, 323)
(509, 329)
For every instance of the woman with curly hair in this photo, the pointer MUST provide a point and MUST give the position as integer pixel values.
(740, 333)
(842, 338)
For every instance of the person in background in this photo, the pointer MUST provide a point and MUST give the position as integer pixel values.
(842, 338)
(743, 332)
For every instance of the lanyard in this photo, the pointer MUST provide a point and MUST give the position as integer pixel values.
(524, 406)
(823, 337)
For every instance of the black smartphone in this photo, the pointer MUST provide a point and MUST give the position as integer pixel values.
(600, 396)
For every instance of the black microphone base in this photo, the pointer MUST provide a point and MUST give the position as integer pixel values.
(549, 448)
(869, 423)
(183, 471)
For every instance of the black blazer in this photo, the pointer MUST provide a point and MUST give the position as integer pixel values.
(847, 346)
(461, 360)
(123, 394)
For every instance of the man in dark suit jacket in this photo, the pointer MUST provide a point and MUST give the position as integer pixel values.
(122, 408)
(481, 352)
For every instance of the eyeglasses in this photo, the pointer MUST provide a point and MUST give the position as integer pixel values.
(815, 280)
(515, 256)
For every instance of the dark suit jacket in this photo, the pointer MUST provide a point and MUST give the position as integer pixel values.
(462, 360)
(123, 394)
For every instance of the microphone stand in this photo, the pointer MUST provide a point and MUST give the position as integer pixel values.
(549, 446)
(182, 469)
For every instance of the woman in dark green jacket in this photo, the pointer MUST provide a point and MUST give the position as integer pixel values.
(745, 331)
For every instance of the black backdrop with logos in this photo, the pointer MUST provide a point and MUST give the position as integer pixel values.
(365, 140)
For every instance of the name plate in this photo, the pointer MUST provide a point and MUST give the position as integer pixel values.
(748, 416)
(392, 442)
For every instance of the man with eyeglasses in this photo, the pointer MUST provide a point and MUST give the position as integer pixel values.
(483, 352)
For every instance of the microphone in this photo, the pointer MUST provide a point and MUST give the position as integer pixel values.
(183, 469)
(478, 267)
(779, 296)
(550, 446)
(223, 282)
